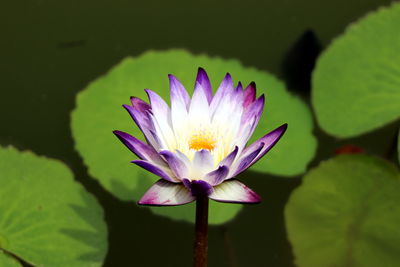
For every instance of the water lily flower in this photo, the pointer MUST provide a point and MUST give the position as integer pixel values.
(198, 145)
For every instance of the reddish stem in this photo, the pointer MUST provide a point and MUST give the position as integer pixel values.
(201, 238)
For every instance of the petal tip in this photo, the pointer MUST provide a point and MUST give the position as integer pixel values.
(201, 71)
(145, 201)
(119, 134)
(171, 78)
(253, 198)
(142, 202)
(239, 86)
(282, 128)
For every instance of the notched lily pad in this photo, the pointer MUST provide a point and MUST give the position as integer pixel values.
(99, 112)
(46, 218)
(346, 213)
(356, 83)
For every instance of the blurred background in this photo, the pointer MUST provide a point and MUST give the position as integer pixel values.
(50, 50)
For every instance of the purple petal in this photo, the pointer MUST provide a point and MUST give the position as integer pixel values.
(234, 191)
(249, 121)
(139, 104)
(176, 164)
(246, 159)
(179, 94)
(226, 84)
(269, 140)
(237, 96)
(157, 170)
(218, 176)
(143, 121)
(255, 109)
(249, 94)
(203, 83)
(198, 187)
(142, 150)
(226, 107)
(227, 161)
(140, 117)
(239, 87)
(164, 193)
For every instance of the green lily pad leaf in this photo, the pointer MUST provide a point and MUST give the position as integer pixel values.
(46, 218)
(346, 213)
(398, 145)
(8, 261)
(99, 112)
(356, 83)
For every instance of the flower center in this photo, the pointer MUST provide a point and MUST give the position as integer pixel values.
(202, 140)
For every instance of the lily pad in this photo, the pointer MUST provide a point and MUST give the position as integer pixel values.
(346, 213)
(46, 218)
(356, 83)
(398, 146)
(99, 112)
(8, 261)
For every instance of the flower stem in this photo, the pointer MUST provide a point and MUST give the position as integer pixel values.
(201, 238)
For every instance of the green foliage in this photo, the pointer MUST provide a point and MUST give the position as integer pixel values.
(46, 218)
(356, 83)
(99, 112)
(8, 261)
(398, 145)
(346, 213)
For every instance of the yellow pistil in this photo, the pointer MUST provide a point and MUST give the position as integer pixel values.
(202, 140)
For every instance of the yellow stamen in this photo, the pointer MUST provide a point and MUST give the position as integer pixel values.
(202, 140)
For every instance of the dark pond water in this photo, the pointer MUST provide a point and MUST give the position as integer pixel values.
(50, 50)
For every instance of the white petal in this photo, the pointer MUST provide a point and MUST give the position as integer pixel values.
(179, 103)
(164, 193)
(202, 164)
(199, 109)
(164, 133)
(235, 192)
